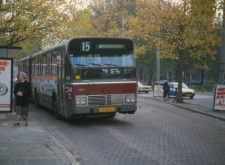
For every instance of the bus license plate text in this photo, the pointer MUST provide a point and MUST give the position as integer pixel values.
(107, 109)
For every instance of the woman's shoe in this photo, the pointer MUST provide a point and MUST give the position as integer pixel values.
(16, 124)
(26, 124)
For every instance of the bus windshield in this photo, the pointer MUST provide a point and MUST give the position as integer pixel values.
(103, 66)
(102, 60)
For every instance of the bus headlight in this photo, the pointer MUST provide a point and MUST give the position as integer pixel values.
(130, 99)
(81, 101)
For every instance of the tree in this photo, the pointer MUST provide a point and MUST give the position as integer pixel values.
(222, 49)
(146, 64)
(107, 16)
(201, 9)
(79, 23)
(181, 32)
(23, 19)
(30, 46)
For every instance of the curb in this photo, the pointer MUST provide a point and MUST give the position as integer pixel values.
(65, 150)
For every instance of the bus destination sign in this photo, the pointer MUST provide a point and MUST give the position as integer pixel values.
(110, 46)
(87, 46)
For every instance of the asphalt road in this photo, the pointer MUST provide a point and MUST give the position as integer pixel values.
(158, 133)
(205, 99)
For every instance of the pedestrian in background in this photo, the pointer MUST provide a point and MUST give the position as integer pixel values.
(22, 91)
(166, 89)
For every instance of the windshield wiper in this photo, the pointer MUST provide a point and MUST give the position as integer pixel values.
(79, 64)
(111, 64)
(95, 64)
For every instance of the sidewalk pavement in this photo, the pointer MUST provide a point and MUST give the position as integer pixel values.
(30, 145)
(208, 111)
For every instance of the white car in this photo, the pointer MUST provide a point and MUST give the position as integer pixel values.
(186, 91)
(143, 88)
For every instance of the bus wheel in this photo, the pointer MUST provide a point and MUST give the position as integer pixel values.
(55, 110)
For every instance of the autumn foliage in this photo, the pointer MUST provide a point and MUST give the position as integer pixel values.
(178, 28)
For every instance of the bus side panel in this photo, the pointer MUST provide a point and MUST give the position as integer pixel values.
(43, 88)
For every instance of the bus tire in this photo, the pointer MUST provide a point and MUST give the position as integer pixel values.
(55, 110)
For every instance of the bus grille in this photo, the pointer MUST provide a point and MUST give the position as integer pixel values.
(101, 100)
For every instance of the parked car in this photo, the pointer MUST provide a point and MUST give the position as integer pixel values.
(186, 91)
(143, 88)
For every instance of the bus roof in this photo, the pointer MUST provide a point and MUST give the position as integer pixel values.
(66, 43)
(24, 58)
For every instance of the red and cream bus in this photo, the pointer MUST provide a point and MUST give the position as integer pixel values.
(84, 77)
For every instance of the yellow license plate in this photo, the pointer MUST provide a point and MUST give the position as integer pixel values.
(107, 109)
(188, 95)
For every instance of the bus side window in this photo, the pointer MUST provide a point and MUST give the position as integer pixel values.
(36, 65)
(63, 63)
(49, 60)
(33, 66)
(39, 64)
(60, 53)
(27, 70)
(54, 62)
(44, 64)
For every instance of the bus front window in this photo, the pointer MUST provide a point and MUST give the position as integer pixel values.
(103, 60)
(103, 66)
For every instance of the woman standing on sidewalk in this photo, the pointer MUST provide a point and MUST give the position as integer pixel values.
(22, 91)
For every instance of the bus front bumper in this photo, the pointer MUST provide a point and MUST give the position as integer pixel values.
(96, 110)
